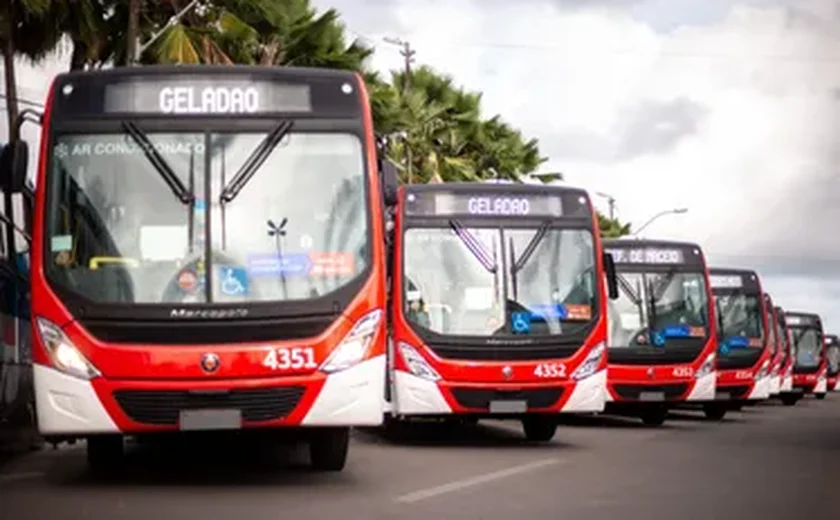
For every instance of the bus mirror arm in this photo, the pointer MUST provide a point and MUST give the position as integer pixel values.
(612, 279)
(390, 182)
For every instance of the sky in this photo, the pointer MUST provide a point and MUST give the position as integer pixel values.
(727, 108)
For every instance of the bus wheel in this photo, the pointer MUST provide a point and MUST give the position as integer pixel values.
(789, 400)
(104, 453)
(654, 416)
(328, 448)
(820, 396)
(539, 428)
(714, 412)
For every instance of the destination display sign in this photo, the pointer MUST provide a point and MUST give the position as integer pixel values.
(193, 93)
(647, 255)
(802, 320)
(831, 341)
(206, 96)
(484, 204)
(725, 281)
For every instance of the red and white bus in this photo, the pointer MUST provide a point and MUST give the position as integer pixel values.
(207, 254)
(662, 336)
(786, 367)
(777, 352)
(744, 336)
(499, 305)
(809, 350)
(832, 354)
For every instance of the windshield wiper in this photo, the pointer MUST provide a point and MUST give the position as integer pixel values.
(652, 312)
(160, 165)
(254, 161)
(474, 246)
(530, 248)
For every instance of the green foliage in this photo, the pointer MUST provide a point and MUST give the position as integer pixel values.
(612, 228)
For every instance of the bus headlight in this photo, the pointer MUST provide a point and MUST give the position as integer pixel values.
(416, 364)
(591, 363)
(762, 373)
(64, 355)
(355, 344)
(707, 367)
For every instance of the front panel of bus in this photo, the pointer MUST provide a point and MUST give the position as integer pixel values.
(498, 305)
(809, 350)
(744, 333)
(832, 352)
(208, 238)
(661, 330)
(786, 366)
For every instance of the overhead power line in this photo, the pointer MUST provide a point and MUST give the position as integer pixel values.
(23, 101)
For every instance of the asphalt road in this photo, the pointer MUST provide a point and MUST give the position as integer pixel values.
(766, 462)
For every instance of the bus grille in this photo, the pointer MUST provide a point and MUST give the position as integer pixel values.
(164, 407)
(503, 353)
(735, 392)
(673, 391)
(652, 356)
(480, 398)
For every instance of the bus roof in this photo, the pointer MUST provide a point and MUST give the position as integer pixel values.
(732, 271)
(633, 243)
(193, 90)
(803, 319)
(831, 339)
(654, 254)
(493, 187)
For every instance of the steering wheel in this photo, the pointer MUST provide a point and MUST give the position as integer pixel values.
(173, 293)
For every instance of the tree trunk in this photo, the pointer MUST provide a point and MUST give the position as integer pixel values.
(133, 33)
(11, 85)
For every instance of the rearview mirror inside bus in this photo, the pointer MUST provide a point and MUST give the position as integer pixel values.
(390, 182)
(13, 164)
(612, 281)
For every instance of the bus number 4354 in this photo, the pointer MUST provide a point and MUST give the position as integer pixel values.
(290, 358)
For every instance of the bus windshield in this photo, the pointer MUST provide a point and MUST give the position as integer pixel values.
(653, 308)
(807, 344)
(118, 231)
(740, 320)
(491, 281)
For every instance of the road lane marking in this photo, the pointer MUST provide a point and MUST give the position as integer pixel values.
(477, 480)
(8, 477)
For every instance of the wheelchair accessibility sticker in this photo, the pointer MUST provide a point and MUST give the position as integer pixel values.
(233, 281)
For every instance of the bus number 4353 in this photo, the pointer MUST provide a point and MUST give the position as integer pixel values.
(290, 358)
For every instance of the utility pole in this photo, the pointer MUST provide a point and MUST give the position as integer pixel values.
(610, 203)
(132, 45)
(408, 58)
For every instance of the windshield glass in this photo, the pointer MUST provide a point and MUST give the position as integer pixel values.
(456, 278)
(740, 321)
(653, 308)
(117, 231)
(833, 357)
(807, 344)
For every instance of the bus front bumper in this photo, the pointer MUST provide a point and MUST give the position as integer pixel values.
(68, 406)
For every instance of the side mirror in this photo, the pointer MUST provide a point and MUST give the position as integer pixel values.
(612, 279)
(14, 160)
(390, 182)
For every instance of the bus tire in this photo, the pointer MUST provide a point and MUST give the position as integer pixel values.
(104, 453)
(328, 449)
(539, 428)
(714, 411)
(819, 396)
(654, 416)
(789, 399)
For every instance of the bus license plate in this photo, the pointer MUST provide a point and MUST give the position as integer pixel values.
(508, 406)
(192, 420)
(652, 396)
(721, 396)
(798, 390)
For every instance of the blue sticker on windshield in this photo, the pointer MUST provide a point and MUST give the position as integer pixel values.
(272, 264)
(199, 205)
(676, 331)
(520, 322)
(658, 339)
(233, 280)
(556, 311)
(737, 342)
(723, 348)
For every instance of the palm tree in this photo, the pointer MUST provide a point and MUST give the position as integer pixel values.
(25, 30)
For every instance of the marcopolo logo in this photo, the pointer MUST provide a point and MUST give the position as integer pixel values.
(208, 313)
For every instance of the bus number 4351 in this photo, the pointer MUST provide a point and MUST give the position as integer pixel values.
(290, 358)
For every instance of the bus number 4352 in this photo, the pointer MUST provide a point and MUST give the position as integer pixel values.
(290, 358)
